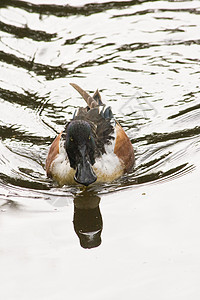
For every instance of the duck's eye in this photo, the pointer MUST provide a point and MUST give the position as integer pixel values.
(71, 139)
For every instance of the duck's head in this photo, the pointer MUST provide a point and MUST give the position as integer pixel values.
(80, 147)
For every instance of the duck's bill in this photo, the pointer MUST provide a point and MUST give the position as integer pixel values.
(84, 173)
(90, 239)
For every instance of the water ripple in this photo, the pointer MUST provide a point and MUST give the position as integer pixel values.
(144, 58)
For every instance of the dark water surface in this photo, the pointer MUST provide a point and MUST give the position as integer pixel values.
(144, 57)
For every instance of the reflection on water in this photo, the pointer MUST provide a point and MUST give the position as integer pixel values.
(143, 57)
(88, 223)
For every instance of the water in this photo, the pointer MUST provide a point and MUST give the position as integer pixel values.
(144, 59)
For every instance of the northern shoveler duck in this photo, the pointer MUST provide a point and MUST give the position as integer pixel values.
(92, 147)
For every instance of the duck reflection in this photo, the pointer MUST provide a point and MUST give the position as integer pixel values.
(88, 223)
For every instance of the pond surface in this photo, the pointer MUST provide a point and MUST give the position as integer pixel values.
(137, 237)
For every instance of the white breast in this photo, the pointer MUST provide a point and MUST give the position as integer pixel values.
(60, 168)
(108, 167)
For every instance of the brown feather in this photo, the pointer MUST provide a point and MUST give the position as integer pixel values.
(89, 100)
(124, 149)
(53, 151)
(102, 128)
(97, 98)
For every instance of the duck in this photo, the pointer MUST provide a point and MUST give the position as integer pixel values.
(92, 147)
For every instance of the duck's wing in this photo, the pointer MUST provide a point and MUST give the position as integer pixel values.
(53, 152)
(91, 102)
(124, 148)
(102, 124)
(97, 98)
